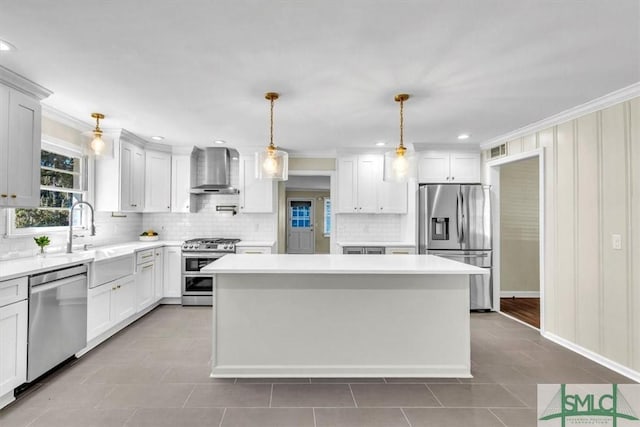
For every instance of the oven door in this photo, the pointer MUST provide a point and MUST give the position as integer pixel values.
(192, 263)
(197, 285)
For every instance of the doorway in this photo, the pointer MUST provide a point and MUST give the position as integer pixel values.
(518, 222)
(300, 231)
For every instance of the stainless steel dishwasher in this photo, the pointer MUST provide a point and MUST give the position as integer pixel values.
(57, 318)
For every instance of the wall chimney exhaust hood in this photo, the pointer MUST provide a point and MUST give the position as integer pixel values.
(211, 171)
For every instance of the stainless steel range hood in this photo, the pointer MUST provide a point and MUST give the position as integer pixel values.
(211, 171)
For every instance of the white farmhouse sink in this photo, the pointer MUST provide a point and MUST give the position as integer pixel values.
(111, 264)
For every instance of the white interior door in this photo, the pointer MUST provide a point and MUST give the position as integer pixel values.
(300, 235)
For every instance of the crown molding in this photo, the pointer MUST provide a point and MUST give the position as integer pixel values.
(23, 84)
(597, 104)
(65, 119)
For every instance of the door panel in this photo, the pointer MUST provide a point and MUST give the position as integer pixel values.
(476, 217)
(442, 215)
(300, 235)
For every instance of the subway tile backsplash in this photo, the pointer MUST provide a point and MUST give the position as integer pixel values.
(368, 227)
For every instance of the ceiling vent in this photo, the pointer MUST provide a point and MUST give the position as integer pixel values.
(498, 151)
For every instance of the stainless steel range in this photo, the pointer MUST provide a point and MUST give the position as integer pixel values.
(197, 288)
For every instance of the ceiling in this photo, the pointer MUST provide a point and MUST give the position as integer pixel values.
(197, 71)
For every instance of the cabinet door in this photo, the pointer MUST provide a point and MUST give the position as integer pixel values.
(138, 179)
(99, 309)
(4, 144)
(347, 185)
(433, 167)
(392, 197)
(144, 286)
(124, 299)
(23, 154)
(13, 342)
(157, 182)
(369, 178)
(256, 196)
(465, 167)
(126, 178)
(158, 277)
(172, 272)
(180, 183)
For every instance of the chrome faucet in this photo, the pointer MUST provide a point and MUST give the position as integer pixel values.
(93, 226)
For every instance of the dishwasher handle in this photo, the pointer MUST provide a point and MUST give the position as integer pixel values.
(56, 284)
(50, 276)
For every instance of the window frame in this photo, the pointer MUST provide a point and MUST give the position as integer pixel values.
(326, 216)
(66, 149)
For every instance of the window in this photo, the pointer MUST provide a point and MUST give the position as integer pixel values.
(300, 214)
(327, 216)
(62, 183)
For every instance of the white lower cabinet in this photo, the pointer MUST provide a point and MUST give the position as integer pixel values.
(145, 288)
(158, 274)
(172, 272)
(13, 346)
(109, 304)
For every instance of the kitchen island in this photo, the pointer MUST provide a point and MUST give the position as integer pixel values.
(340, 316)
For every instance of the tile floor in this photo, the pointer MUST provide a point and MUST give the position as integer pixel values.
(155, 373)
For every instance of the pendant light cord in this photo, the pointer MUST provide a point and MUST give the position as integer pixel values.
(401, 123)
(271, 126)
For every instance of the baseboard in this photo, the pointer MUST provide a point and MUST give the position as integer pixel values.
(519, 294)
(607, 363)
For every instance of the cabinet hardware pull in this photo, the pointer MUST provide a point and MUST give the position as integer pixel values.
(147, 266)
(113, 289)
(118, 286)
(13, 196)
(3, 195)
(452, 178)
(147, 256)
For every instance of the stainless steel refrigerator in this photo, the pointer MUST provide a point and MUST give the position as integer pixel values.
(455, 223)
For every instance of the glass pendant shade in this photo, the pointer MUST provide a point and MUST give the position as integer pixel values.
(399, 167)
(272, 164)
(97, 144)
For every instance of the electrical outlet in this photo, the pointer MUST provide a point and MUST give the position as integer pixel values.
(616, 241)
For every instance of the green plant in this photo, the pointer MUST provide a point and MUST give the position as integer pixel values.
(42, 241)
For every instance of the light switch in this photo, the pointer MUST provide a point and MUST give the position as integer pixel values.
(616, 241)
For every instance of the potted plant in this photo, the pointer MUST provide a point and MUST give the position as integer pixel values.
(42, 242)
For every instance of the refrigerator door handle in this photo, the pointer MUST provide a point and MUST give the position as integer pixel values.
(459, 217)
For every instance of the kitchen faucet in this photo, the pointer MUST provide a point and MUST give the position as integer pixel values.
(93, 226)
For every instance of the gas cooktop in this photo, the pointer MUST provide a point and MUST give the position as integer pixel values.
(209, 244)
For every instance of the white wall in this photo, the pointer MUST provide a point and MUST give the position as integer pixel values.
(592, 183)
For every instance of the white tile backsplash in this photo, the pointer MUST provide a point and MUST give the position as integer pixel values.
(368, 227)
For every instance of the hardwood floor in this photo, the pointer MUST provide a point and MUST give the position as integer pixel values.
(525, 309)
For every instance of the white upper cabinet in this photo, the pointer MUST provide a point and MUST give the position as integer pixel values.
(256, 196)
(361, 188)
(20, 136)
(448, 167)
(120, 179)
(157, 182)
(181, 183)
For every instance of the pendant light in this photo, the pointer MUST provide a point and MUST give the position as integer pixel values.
(272, 164)
(399, 165)
(97, 143)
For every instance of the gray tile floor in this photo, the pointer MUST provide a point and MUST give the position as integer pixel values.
(155, 373)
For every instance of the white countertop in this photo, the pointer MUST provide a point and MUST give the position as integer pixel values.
(36, 264)
(253, 244)
(338, 264)
(385, 244)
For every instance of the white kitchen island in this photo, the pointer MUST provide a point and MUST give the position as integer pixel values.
(340, 316)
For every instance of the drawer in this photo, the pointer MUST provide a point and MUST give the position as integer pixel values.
(144, 256)
(254, 250)
(13, 290)
(408, 250)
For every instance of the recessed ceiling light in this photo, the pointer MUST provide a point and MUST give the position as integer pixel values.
(219, 141)
(380, 144)
(157, 138)
(5, 46)
(464, 136)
